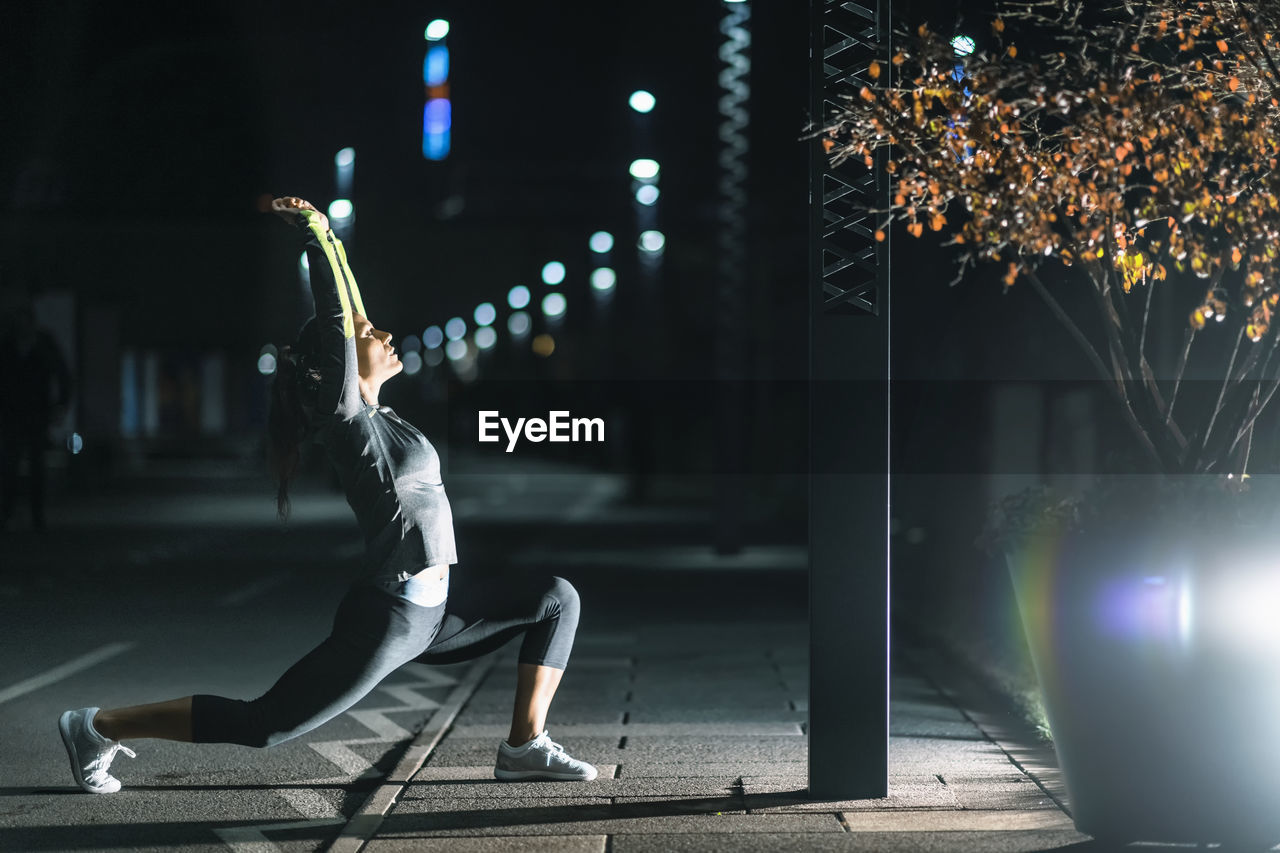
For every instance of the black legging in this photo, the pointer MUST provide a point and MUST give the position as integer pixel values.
(375, 632)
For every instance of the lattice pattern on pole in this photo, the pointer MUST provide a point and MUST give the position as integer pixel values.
(853, 264)
(731, 211)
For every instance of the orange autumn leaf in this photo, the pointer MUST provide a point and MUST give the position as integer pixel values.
(874, 70)
(1222, 45)
(1013, 52)
(828, 144)
(915, 229)
(867, 94)
(997, 25)
(938, 222)
(880, 235)
(1233, 83)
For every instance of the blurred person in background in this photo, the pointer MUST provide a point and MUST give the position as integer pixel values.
(36, 394)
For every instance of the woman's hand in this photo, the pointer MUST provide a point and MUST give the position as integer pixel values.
(288, 207)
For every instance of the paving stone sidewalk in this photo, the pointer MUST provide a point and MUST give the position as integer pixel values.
(698, 731)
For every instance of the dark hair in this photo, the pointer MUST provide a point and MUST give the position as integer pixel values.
(289, 417)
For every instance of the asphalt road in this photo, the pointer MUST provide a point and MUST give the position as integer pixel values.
(164, 591)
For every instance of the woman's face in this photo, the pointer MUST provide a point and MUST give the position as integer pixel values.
(377, 358)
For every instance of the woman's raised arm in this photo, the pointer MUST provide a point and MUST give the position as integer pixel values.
(337, 298)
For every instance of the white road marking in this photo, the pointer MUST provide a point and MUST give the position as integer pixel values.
(380, 724)
(254, 589)
(250, 839)
(365, 822)
(62, 671)
(309, 803)
(339, 752)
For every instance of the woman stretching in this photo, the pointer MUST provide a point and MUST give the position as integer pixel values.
(401, 609)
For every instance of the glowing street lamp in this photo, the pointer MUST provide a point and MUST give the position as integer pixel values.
(642, 101)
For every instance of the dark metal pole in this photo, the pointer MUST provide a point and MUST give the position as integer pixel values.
(849, 427)
(731, 288)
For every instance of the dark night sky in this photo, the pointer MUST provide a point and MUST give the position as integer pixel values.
(160, 122)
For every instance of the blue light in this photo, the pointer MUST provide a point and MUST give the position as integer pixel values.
(432, 337)
(345, 159)
(518, 296)
(75, 443)
(455, 328)
(486, 337)
(485, 314)
(411, 344)
(435, 146)
(130, 420)
(435, 67)
(437, 117)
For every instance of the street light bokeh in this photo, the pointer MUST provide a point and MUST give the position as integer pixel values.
(518, 296)
(642, 101)
(553, 273)
(644, 169)
(518, 324)
(652, 241)
(341, 209)
(554, 304)
(603, 278)
(601, 242)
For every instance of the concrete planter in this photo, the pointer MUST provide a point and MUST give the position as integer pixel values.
(1160, 682)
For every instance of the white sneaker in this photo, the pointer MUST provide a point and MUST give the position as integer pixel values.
(90, 753)
(540, 758)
